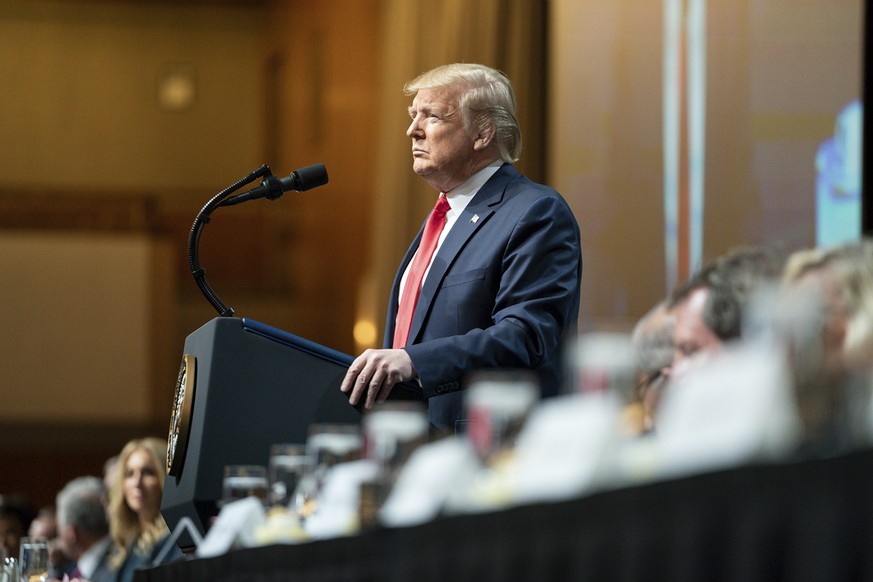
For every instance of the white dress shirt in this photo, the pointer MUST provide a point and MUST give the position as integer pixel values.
(458, 200)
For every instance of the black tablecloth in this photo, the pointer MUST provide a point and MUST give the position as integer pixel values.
(810, 520)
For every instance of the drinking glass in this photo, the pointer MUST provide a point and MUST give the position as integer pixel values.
(326, 446)
(288, 462)
(603, 362)
(241, 481)
(497, 404)
(34, 559)
(8, 568)
(391, 432)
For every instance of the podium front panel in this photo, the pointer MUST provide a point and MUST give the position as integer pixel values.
(253, 386)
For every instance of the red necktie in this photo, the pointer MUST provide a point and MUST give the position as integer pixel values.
(435, 223)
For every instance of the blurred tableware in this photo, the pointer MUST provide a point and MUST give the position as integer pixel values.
(9, 569)
(33, 559)
(327, 445)
(497, 404)
(604, 362)
(392, 431)
(241, 481)
(287, 465)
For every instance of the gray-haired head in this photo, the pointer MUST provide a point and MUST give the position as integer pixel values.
(487, 99)
(80, 504)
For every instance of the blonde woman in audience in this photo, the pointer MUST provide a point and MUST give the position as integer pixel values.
(135, 521)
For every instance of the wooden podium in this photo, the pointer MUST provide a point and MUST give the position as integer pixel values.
(242, 387)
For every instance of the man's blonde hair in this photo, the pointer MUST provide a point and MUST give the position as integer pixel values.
(487, 100)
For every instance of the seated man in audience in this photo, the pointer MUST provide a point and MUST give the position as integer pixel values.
(652, 341)
(709, 308)
(44, 524)
(83, 528)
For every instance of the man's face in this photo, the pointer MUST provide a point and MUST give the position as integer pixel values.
(691, 338)
(442, 148)
(43, 526)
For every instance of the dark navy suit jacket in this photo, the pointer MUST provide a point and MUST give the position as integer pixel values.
(502, 292)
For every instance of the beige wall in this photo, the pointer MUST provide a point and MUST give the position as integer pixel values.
(79, 101)
(80, 314)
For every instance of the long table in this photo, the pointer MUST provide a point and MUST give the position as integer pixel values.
(794, 521)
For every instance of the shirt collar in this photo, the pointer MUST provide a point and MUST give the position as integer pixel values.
(460, 196)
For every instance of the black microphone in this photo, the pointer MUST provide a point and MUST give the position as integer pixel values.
(271, 187)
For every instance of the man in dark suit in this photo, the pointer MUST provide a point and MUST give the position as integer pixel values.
(83, 529)
(502, 288)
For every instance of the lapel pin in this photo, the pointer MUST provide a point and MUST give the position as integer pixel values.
(475, 219)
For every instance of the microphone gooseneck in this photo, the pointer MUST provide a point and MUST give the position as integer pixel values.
(271, 188)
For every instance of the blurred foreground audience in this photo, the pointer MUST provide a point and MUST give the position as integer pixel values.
(696, 322)
(815, 312)
(841, 279)
(832, 357)
(652, 344)
(709, 308)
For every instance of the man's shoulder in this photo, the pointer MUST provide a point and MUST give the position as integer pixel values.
(530, 196)
(508, 180)
(512, 178)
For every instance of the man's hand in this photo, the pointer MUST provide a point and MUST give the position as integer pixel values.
(374, 373)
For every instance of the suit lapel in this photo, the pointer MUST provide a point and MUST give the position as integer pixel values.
(474, 216)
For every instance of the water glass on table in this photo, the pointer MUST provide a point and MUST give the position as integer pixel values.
(33, 559)
(497, 404)
(391, 432)
(327, 444)
(241, 481)
(8, 567)
(288, 462)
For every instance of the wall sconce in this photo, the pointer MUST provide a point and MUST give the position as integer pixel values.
(176, 87)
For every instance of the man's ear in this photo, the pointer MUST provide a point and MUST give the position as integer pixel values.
(485, 138)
